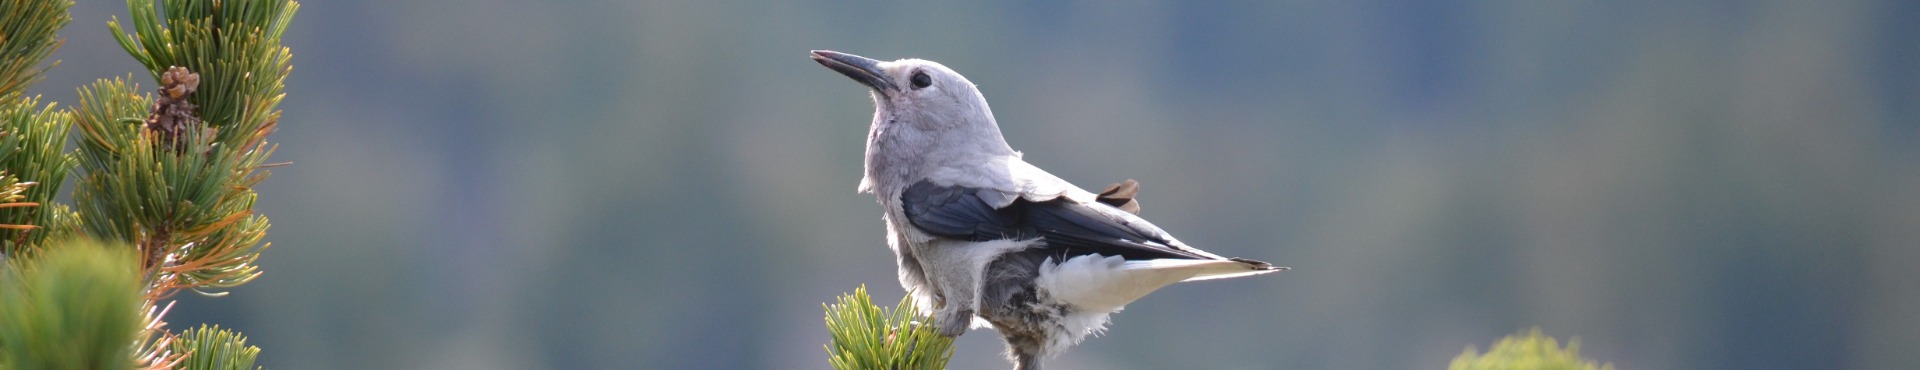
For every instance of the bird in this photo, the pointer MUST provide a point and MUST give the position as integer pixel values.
(984, 239)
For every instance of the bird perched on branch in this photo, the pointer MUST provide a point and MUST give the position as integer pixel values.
(979, 233)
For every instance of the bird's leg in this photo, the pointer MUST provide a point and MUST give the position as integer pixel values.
(1026, 350)
(1009, 300)
(953, 311)
(953, 320)
(1027, 362)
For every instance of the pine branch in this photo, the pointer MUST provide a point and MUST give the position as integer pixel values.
(154, 349)
(33, 147)
(73, 307)
(27, 37)
(1529, 351)
(32, 138)
(11, 192)
(173, 172)
(213, 348)
(167, 175)
(190, 214)
(235, 48)
(866, 337)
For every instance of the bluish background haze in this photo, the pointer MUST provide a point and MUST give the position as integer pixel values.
(654, 185)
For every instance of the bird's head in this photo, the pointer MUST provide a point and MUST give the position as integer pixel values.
(923, 97)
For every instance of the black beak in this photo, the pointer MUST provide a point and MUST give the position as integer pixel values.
(859, 68)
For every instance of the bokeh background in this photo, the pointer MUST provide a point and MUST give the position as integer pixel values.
(652, 185)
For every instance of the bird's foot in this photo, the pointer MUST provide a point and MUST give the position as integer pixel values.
(954, 323)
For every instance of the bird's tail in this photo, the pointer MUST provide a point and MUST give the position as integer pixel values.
(1209, 269)
(1103, 284)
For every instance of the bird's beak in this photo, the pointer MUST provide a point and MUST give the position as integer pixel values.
(859, 68)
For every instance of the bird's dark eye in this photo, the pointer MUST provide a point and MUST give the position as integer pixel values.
(921, 81)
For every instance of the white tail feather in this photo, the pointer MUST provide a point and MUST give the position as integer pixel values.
(1107, 283)
(1235, 274)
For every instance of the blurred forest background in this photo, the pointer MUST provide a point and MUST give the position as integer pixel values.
(632, 184)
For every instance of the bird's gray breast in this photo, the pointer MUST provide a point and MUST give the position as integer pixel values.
(896, 155)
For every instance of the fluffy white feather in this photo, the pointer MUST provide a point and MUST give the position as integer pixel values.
(1108, 283)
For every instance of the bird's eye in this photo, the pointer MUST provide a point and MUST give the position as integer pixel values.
(921, 81)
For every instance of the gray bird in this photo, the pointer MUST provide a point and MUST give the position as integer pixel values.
(981, 234)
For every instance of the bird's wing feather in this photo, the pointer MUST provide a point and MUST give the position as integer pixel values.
(1067, 227)
(1009, 179)
(1122, 195)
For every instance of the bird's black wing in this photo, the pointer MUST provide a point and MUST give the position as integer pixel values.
(1066, 228)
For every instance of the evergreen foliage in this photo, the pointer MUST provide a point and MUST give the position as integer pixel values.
(866, 337)
(233, 45)
(190, 214)
(73, 307)
(214, 348)
(33, 137)
(1529, 351)
(165, 184)
(27, 37)
(33, 150)
(184, 196)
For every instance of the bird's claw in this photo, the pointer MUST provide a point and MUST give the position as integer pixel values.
(954, 324)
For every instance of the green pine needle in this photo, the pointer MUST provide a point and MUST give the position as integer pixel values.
(184, 201)
(1529, 351)
(213, 348)
(76, 306)
(187, 199)
(27, 37)
(33, 147)
(233, 45)
(136, 188)
(866, 337)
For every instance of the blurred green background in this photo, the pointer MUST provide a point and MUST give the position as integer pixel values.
(653, 185)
